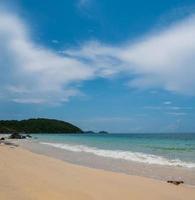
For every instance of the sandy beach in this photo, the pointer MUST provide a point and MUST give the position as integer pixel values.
(97, 100)
(26, 175)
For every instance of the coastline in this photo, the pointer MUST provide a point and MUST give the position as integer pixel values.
(26, 175)
(159, 172)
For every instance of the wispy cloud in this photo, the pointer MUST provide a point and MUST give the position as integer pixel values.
(82, 4)
(168, 107)
(177, 113)
(55, 41)
(165, 59)
(31, 73)
(167, 102)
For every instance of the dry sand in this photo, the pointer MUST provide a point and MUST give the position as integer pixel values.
(25, 175)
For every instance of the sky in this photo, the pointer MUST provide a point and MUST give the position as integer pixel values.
(119, 66)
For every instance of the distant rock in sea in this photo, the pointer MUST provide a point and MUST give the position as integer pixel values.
(92, 132)
(89, 132)
(103, 132)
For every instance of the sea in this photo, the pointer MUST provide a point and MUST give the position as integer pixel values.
(174, 149)
(157, 156)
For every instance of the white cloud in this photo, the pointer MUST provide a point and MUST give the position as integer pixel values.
(31, 73)
(167, 102)
(55, 41)
(164, 60)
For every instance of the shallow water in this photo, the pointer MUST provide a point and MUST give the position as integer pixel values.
(167, 157)
(160, 149)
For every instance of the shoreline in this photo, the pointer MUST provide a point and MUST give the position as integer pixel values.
(157, 172)
(50, 178)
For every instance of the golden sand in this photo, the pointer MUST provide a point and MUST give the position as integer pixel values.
(28, 176)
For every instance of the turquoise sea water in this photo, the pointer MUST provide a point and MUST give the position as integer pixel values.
(160, 149)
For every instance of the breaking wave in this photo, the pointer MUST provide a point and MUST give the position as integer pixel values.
(124, 155)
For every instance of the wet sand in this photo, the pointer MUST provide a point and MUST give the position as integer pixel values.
(26, 175)
(159, 172)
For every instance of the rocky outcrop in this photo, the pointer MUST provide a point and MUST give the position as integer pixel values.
(103, 132)
(16, 136)
(175, 182)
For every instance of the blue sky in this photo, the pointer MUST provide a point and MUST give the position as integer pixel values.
(119, 66)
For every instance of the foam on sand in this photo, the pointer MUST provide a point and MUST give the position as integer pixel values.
(124, 155)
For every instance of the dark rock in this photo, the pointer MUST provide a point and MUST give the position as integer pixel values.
(103, 132)
(89, 132)
(175, 182)
(16, 136)
(2, 138)
(28, 136)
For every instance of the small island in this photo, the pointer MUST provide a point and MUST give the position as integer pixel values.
(103, 132)
(39, 125)
(92, 132)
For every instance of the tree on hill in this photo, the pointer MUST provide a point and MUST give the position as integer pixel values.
(40, 125)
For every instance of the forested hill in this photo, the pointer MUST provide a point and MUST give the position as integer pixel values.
(39, 125)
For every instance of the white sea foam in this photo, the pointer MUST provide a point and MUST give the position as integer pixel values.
(125, 155)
